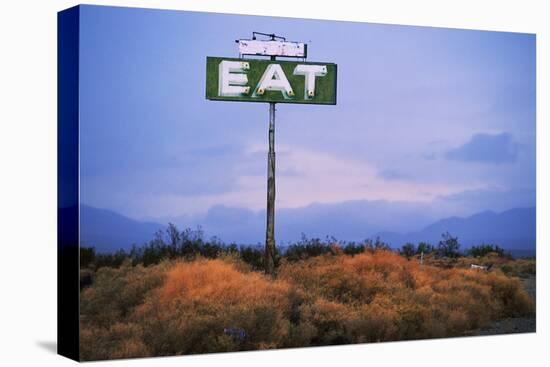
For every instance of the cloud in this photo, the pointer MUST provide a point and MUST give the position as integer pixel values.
(496, 199)
(486, 148)
(394, 175)
(304, 177)
(328, 178)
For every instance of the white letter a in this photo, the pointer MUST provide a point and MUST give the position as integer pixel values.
(274, 79)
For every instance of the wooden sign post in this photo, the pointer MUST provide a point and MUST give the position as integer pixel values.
(272, 81)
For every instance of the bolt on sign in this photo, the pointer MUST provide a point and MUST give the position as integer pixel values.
(251, 80)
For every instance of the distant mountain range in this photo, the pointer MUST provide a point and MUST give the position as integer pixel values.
(512, 229)
(108, 231)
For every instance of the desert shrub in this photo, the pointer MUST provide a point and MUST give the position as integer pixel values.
(408, 250)
(86, 277)
(170, 243)
(519, 268)
(201, 300)
(512, 299)
(425, 248)
(376, 245)
(484, 249)
(522, 268)
(312, 247)
(353, 248)
(253, 256)
(306, 248)
(328, 321)
(119, 340)
(418, 302)
(448, 246)
(105, 308)
(116, 291)
(87, 256)
(342, 278)
(223, 304)
(374, 322)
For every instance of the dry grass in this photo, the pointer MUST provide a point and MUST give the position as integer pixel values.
(220, 305)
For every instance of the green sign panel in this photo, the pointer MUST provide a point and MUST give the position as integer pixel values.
(253, 80)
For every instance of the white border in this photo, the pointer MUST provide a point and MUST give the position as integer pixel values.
(28, 189)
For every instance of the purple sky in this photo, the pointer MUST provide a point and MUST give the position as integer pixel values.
(430, 122)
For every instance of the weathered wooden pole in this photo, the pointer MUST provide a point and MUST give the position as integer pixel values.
(270, 226)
